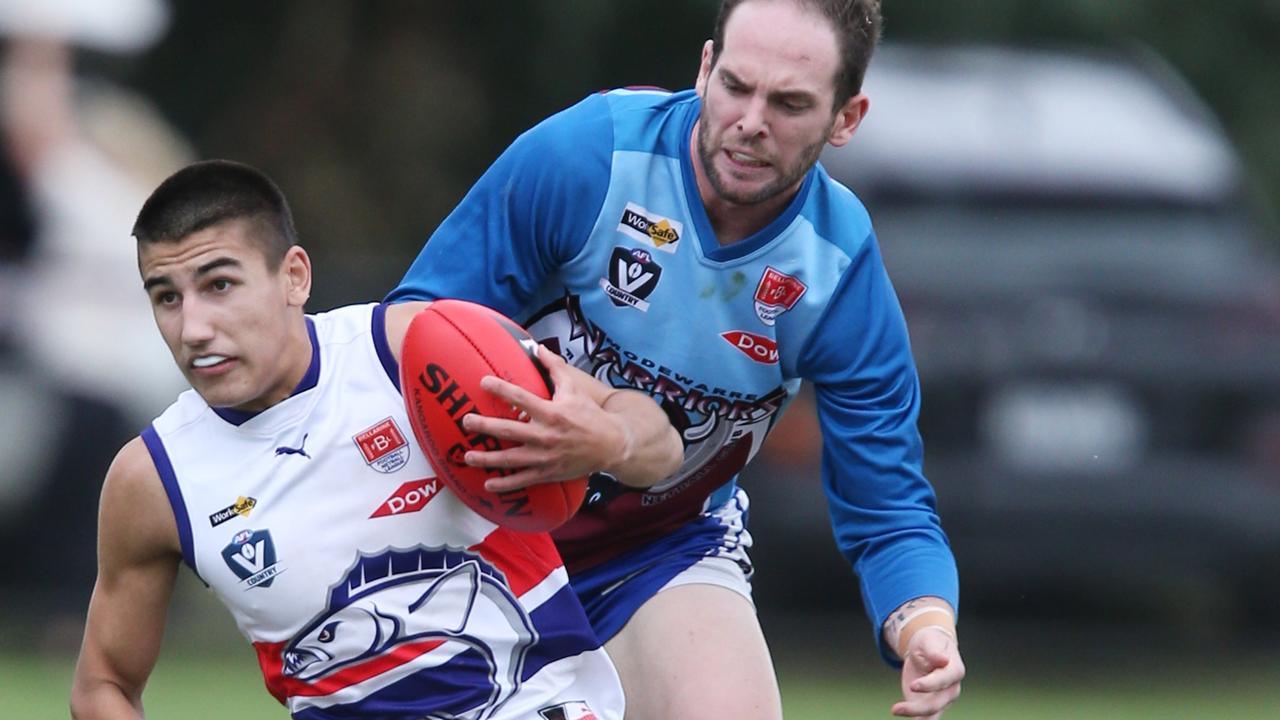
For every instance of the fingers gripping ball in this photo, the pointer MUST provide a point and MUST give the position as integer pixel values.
(449, 346)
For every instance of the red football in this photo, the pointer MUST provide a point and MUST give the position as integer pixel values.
(448, 347)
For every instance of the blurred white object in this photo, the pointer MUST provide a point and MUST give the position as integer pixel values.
(121, 26)
(90, 154)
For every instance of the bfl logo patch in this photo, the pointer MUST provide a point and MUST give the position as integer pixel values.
(383, 446)
(777, 293)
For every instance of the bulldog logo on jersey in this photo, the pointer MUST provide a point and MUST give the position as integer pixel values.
(776, 294)
(383, 446)
(651, 229)
(441, 623)
(251, 555)
(632, 276)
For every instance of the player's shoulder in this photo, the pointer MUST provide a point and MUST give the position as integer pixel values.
(396, 323)
(343, 324)
(645, 97)
(134, 498)
(616, 113)
(837, 214)
(132, 464)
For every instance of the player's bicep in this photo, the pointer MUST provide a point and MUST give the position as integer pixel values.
(138, 556)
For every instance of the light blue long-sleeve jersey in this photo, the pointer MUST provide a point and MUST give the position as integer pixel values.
(590, 230)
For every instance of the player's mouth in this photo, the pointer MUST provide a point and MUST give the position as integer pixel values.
(744, 162)
(211, 364)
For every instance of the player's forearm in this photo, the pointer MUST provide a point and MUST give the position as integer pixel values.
(652, 449)
(915, 615)
(103, 700)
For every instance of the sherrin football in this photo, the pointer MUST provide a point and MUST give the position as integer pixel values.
(449, 346)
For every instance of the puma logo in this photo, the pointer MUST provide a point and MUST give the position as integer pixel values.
(300, 450)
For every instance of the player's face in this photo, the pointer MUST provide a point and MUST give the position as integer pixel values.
(768, 102)
(233, 324)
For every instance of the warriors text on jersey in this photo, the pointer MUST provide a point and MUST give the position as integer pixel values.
(590, 230)
(366, 587)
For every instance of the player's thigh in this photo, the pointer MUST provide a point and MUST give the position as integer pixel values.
(695, 652)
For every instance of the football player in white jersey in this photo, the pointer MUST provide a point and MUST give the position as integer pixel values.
(227, 281)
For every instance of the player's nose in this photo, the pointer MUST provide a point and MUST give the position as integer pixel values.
(753, 121)
(197, 323)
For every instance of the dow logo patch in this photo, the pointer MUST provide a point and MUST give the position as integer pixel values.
(409, 498)
(640, 224)
(240, 508)
(383, 446)
(632, 276)
(251, 555)
(757, 347)
(776, 294)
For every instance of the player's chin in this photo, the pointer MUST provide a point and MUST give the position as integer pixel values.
(223, 394)
(741, 192)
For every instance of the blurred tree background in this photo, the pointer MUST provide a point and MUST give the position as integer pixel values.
(376, 116)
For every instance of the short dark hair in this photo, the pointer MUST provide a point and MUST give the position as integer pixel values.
(856, 24)
(209, 192)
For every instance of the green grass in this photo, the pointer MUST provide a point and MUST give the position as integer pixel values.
(227, 685)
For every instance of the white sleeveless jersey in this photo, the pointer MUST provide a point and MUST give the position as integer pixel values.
(366, 586)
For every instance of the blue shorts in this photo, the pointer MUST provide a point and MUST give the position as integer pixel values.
(711, 549)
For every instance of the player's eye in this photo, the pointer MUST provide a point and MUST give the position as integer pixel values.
(220, 285)
(793, 107)
(165, 298)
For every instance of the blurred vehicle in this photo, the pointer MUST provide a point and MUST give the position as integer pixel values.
(1096, 324)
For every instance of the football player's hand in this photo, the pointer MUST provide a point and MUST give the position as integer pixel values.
(565, 437)
(931, 674)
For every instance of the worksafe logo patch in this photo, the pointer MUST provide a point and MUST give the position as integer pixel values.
(240, 508)
(631, 278)
(660, 232)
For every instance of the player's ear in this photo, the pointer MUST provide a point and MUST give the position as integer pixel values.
(847, 119)
(704, 68)
(296, 271)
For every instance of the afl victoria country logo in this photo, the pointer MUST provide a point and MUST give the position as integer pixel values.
(632, 277)
(251, 555)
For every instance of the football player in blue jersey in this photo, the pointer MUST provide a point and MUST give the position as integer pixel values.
(301, 415)
(628, 232)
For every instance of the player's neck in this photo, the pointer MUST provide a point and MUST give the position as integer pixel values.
(733, 222)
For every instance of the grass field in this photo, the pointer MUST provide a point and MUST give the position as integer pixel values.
(1035, 670)
(222, 685)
